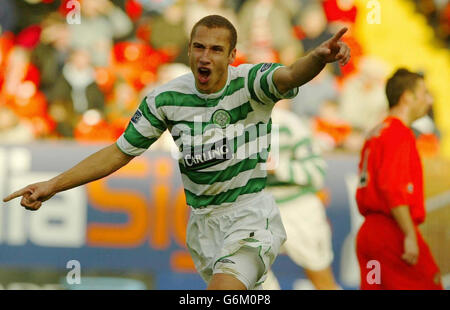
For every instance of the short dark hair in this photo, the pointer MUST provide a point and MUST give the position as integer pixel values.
(217, 21)
(401, 81)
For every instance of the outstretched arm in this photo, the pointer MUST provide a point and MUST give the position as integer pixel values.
(96, 166)
(307, 67)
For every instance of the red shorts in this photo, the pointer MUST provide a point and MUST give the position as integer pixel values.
(381, 239)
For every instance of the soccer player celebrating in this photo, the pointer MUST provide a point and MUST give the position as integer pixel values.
(390, 195)
(235, 230)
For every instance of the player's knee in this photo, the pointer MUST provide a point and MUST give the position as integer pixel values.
(223, 281)
(245, 265)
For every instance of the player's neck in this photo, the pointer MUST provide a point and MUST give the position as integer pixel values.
(402, 113)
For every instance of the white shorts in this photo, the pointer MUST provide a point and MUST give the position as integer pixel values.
(242, 240)
(308, 231)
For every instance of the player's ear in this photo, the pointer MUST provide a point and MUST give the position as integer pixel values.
(408, 96)
(232, 56)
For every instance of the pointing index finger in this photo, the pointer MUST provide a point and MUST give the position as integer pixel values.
(339, 34)
(16, 194)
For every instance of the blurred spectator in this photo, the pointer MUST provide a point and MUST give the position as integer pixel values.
(13, 129)
(155, 6)
(120, 106)
(19, 90)
(6, 45)
(363, 101)
(52, 51)
(137, 63)
(313, 26)
(93, 128)
(430, 9)
(266, 33)
(101, 22)
(340, 12)
(75, 92)
(18, 74)
(444, 24)
(32, 12)
(170, 71)
(8, 16)
(168, 33)
(437, 13)
(134, 9)
(313, 94)
(329, 128)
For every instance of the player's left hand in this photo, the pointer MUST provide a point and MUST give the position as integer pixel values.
(334, 50)
(411, 250)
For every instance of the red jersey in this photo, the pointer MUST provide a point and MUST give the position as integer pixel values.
(390, 172)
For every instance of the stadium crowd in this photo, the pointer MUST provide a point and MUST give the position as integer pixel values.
(437, 13)
(60, 79)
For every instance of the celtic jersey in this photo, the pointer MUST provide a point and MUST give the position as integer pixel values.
(223, 138)
(301, 168)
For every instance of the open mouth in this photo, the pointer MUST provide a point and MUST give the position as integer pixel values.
(204, 74)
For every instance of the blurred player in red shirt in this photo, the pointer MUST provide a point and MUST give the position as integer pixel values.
(390, 194)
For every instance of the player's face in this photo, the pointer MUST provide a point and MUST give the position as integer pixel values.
(209, 57)
(422, 100)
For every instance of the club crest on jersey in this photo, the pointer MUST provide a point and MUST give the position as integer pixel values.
(136, 117)
(410, 188)
(221, 118)
(265, 66)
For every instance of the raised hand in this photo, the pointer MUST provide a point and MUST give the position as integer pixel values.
(334, 50)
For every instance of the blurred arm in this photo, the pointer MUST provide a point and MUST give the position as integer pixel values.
(403, 218)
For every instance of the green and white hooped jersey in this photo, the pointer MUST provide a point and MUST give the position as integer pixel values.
(301, 168)
(223, 138)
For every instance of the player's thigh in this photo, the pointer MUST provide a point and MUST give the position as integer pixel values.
(253, 234)
(203, 242)
(308, 233)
